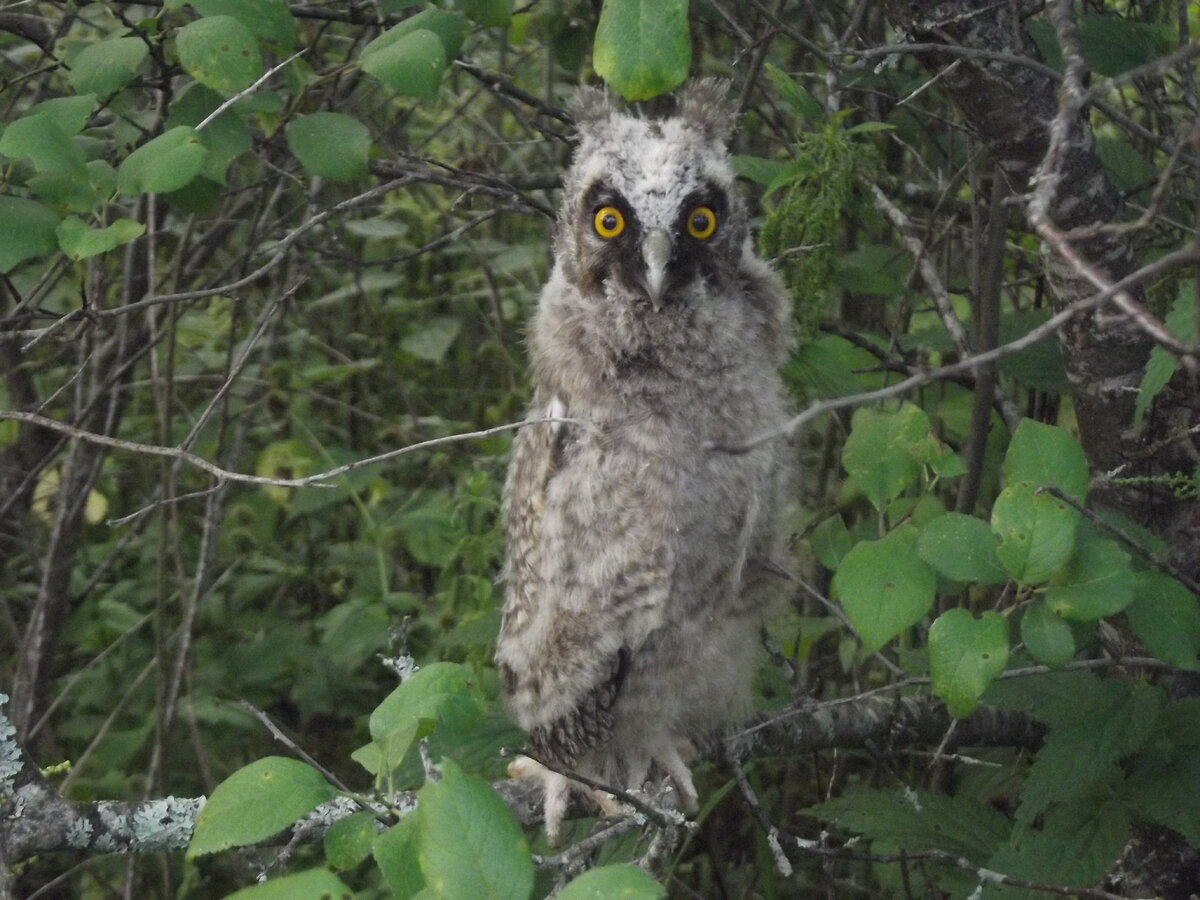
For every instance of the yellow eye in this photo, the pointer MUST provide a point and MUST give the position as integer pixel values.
(701, 223)
(609, 222)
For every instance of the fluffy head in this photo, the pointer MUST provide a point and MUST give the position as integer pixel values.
(668, 187)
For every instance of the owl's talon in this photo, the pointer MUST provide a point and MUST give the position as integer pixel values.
(556, 793)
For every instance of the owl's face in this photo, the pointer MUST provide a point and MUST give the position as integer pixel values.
(651, 213)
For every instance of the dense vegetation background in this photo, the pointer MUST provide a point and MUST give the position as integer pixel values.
(250, 246)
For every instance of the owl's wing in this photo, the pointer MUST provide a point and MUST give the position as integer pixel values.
(587, 580)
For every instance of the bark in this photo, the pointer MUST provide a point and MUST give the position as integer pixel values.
(35, 820)
(1010, 106)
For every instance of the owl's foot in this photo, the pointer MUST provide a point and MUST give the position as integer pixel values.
(556, 791)
(666, 757)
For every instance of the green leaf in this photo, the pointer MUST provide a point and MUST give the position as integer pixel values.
(431, 534)
(1075, 846)
(219, 51)
(411, 65)
(756, 169)
(451, 29)
(1075, 757)
(642, 48)
(440, 692)
(1166, 618)
(1114, 44)
(826, 367)
(1043, 454)
(1047, 637)
(962, 548)
(349, 841)
(469, 843)
(106, 67)
(27, 229)
(1036, 531)
(794, 94)
(880, 454)
(268, 20)
(68, 113)
(1097, 581)
(396, 852)
(256, 802)
(330, 145)
(164, 164)
(885, 587)
(225, 138)
(315, 884)
(620, 881)
(488, 12)
(916, 820)
(965, 655)
(79, 242)
(830, 542)
(433, 340)
(43, 141)
(1181, 322)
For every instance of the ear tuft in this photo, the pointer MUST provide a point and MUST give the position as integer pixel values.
(705, 105)
(590, 107)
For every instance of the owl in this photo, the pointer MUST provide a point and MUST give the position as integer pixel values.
(634, 589)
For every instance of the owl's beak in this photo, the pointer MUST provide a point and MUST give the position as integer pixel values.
(656, 253)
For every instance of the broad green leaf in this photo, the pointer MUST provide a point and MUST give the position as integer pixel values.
(442, 691)
(757, 169)
(268, 20)
(916, 820)
(225, 138)
(451, 29)
(1181, 322)
(106, 67)
(885, 587)
(880, 452)
(315, 884)
(349, 841)
(1043, 454)
(256, 802)
(68, 113)
(965, 655)
(412, 65)
(42, 140)
(79, 241)
(1096, 582)
(1163, 782)
(27, 229)
(794, 94)
(830, 542)
(396, 853)
(1036, 531)
(488, 12)
(642, 48)
(1166, 618)
(1047, 637)
(1059, 699)
(469, 843)
(962, 548)
(164, 164)
(431, 534)
(826, 367)
(620, 881)
(330, 145)
(1075, 757)
(1076, 845)
(432, 341)
(219, 51)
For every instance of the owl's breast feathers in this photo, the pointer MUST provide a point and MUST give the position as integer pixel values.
(626, 542)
